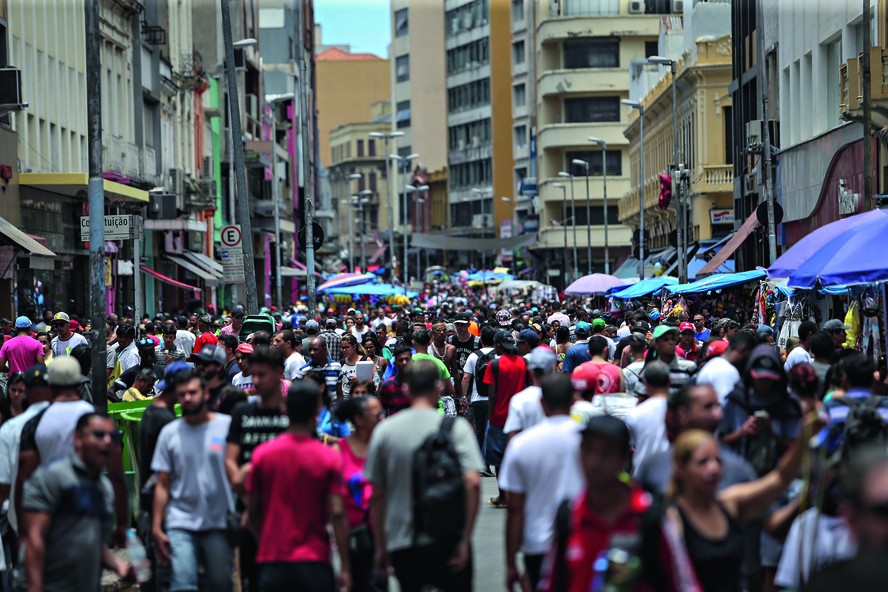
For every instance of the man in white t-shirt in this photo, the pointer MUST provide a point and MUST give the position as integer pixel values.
(66, 340)
(360, 328)
(469, 384)
(289, 345)
(243, 379)
(647, 421)
(801, 354)
(127, 352)
(541, 468)
(722, 372)
(525, 408)
(559, 316)
(834, 542)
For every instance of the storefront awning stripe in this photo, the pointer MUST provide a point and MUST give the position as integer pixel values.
(167, 280)
(201, 260)
(203, 274)
(726, 251)
(22, 240)
(73, 183)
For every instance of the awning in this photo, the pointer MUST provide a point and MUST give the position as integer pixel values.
(22, 241)
(377, 254)
(717, 282)
(726, 251)
(175, 225)
(167, 280)
(208, 277)
(211, 266)
(73, 184)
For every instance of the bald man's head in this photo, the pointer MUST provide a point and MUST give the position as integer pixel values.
(317, 351)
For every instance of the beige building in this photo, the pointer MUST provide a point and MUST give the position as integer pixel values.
(347, 85)
(583, 53)
(362, 205)
(704, 112)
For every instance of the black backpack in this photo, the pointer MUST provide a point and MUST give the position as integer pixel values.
(481, 369)
(863, 425)
(439, 494)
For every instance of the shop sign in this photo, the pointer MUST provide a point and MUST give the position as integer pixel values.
(117, 227)
(848, 200)
(723, 216)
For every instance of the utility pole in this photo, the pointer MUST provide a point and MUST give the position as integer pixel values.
(766, 139)
(96, 197)
(240, 176)
(307, 177)
(867, 110)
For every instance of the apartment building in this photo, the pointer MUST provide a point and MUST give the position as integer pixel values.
(583, 51)
(523, 109)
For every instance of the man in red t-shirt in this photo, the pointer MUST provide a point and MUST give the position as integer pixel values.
(295, 488)
(506, 375)
(206, 337)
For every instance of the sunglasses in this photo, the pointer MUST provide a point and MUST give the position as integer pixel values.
(113, 435)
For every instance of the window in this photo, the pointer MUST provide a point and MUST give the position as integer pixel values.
(650, 48)
(468, 56)
(517, 11)
(361, 183)
(591, 109)
(471, 174)
(518, 52)
(402, 116)
(519, 95)
(592, 52)
(4, 56)
(402, 24)
(469, 135)
(591, 7)
(371, 147)
(593, 157)
(582, 214)
(373, 182)
(402, 68)
(521, 136)
(466, 17)
(468, 96)
(360, 147)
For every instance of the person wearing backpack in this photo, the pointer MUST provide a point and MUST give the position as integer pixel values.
(425, 471)
(857, 418)
(473, 380)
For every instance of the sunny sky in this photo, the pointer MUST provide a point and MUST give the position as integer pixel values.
(364, 24)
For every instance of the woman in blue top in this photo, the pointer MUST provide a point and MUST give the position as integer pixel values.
(328, 429)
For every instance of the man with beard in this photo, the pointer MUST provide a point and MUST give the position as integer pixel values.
(210, 364)
(465, 343)
(443, 350)
(192, 497)
(237, 321)
(168, 352)
(360, 329)
(147, 360)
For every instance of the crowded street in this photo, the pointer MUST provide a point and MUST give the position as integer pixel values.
(443, 295)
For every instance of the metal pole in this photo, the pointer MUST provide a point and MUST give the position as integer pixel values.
(275, 195)
(867, 110)
(362, 231)
(573, 213)
(302, 97)
(564, 227)
(137, 277)
(96, 197)
(240, 176)
(766, 140)
(232, 219)
(588, 224)
(641, 234)
(604, 170)
(676, 184)
(351, 235)
(404, 164)
(391, 214)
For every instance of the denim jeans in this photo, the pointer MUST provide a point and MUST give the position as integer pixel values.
(209, 548)
(304, 576)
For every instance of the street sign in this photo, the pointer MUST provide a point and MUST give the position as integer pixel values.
(232, 254)
(317, 236)
(117, 227)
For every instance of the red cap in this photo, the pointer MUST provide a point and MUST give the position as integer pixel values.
(585, 377)
(716, 348)
(686, 327)
(244, 348)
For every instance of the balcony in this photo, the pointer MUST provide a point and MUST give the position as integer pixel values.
(851, 82)
(560, 135)
(584, 80)
(713, 179)
(120, 156)
(150, 174)
(627, 206)
(616, 188)
(552, 237)
(559, 28)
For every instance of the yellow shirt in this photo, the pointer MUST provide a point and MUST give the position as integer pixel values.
(133, 394)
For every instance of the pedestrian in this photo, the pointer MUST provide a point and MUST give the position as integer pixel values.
(205, 335)
(665, 342)
(237, 321)
(127, 352)
(606, 377)
(352, 353)
(332, 336)
(65, 538)
(65, 339)
(391, 392)
(579, 351)
(505, 376)
(371, 346)
(228, 344)
(295, 492)
(688, 346)
(210, 362)
(647, 421)
(146, 359)
(723, 371)
(319, 360)
(192, 497)
(22, 351)
(243, 379)
(802, 352)
(525, 408)
(142, 386)
(418, 560)
(465, 343)
(541, 468)
(168, 351)
(473, 381)
(290, 346)
(185, 339)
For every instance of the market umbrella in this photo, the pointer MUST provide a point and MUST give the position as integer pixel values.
(346, 279)
(717, 282)
(853, 257)
(596, 283)
(644, 287)
(803, 250)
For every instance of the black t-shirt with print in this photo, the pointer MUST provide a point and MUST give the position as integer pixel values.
(464, 348)
(251, 425)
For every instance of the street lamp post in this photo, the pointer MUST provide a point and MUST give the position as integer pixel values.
(276, 193)
(419, 201)
(564, 227)
(363, 198)
(514, 215)
(641, 233)
(353, 201)
(411, 189)
(390, 187)
(573, 214)
(585, 166)
(676, 183)
(601, 142)
(405, 168)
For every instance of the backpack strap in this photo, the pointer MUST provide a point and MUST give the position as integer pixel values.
(447, 424)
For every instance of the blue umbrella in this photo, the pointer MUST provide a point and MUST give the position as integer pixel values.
(717, 282)
(853, 257)
(644, 287)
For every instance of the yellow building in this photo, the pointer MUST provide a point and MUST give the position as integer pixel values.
(704, 113)
(353, 152)
(583, 54)
(347, 85)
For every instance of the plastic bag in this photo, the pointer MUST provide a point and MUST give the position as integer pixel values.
(852, 319)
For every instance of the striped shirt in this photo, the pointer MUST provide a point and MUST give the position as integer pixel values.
(331, 374)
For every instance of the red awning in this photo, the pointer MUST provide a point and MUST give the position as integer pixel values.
(167, 280)
(377, 254)
(726, 251)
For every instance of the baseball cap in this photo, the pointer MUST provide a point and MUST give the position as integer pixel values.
(244, 348)
(582, 328)
(174, 368)
(505, 339)
(541, 358)
(65, 371)
(585, 377)
(205, 319)
(61, 317)
(835, 325)
(764, 367)
(312, 324)
(331, 322)
(75, 326)
(662, 330)
(654, 315)
(764, 330)
(238, 311)
(686, 327)
(599, 323)
(462, 317)
(22, 323)
(530, 337)
(35, 376)
(212, 354)
(716, 348)
(610, 428)
(503, 317)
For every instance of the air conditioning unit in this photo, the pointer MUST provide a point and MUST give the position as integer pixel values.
(177, 182)
(164, 205)
(636, 6)
(754, 132)
(677, 6)
(10, 88)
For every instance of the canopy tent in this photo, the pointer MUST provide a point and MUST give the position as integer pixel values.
(803, 250)
(519, 285)
(717, 282)
(490, 277)
(372, 290)
(644, 287)
(851, 257)
(346, 279)
(595, 283)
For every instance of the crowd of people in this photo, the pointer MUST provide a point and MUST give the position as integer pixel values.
(634, 453)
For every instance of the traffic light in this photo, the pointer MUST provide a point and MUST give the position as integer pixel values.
(665, 191)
